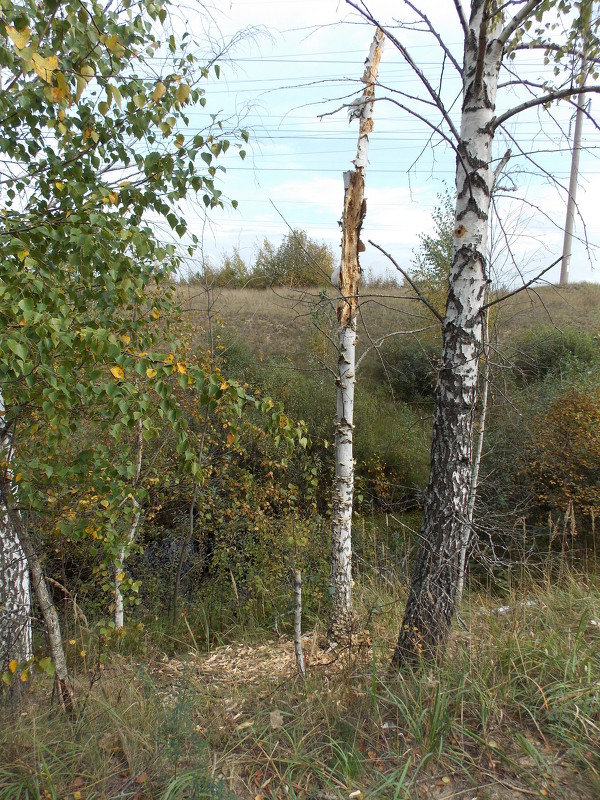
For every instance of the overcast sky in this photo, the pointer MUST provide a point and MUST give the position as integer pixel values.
(305, 59)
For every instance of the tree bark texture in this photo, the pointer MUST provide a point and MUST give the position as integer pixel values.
(50, 615)
(125, 548)
(468, 533)
(297, 575)
(15, 595)
(341, 620)
(432, 592)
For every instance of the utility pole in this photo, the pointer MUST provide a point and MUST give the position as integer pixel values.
(571, 203)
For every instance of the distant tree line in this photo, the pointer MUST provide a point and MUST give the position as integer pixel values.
(298, 261)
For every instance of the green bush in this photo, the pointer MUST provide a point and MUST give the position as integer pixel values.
(540, 353)
(410, 368)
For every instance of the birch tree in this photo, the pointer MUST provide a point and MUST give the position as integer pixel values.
(91, 142)
(492, 33)
(341, 619)
(15, 597)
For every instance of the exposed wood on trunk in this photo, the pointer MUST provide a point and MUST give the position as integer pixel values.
(341, 621)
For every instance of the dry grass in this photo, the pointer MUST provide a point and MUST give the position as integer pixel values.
(278, 323)
(512, 712)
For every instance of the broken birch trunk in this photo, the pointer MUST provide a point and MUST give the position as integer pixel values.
(341, 620)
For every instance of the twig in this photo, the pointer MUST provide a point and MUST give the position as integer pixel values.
(421, 296)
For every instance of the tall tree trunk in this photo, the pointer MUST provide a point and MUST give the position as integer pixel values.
(15, 597)
(64, 686)
(124, 549)
(341, 620)
(467, 531)
(432, 593)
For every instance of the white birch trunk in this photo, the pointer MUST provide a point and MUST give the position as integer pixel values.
(52, 624)
(15, 594)
(125, 548)
(432, 594)
(341, 620)
(297, 575)
(467, 531)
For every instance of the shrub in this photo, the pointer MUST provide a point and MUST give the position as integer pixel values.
(546, 352)
(411, 368)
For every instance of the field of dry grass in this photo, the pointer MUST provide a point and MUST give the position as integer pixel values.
(279, 323)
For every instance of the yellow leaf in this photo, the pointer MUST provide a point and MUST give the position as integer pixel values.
(20, 38)
(126, 338)
(85, 76)
(150, 372)
(181, 367)
(155, 313)
(118, 372)
(59, 185)
(183, 92)
(24, 676)
(77, 795)
(170, 358)
(44, 67)
(159, 91)
(230, 438)
(12, 666)
(224, 386)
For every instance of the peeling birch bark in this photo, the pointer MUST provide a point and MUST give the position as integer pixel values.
(15, 593)
(341, 620)
(432, 593)
(124, 550)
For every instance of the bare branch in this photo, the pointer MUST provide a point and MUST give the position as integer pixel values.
(436, 128)
(364, 12)
(377, 344)
(437, 36)
(407, 277)
(540, 101)
(461, 17)
(498, 171)
(522, 288)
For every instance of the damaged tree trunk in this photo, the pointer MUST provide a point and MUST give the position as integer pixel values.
(341, 620)
(439, 566)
